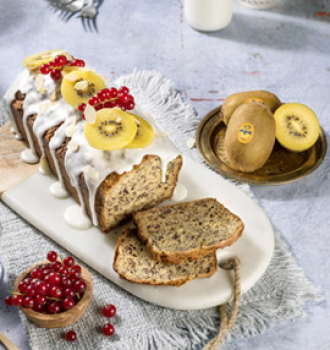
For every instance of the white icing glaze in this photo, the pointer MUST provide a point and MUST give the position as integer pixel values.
(77, 159)
(180, 193)
(76, 218)
(28, 156)
(58, 191)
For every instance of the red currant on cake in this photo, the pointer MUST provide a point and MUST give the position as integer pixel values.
(108, 329)
(60, 61)
(109, 310)
(56, 74)
(71, 336)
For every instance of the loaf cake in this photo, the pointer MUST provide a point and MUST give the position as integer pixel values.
(190, 230)
(133, 263)
(109, 184)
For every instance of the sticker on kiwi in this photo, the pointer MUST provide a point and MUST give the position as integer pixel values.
(255, 100)
(245, 133)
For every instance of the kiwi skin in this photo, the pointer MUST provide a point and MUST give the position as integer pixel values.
(248, 157)
(235, 100)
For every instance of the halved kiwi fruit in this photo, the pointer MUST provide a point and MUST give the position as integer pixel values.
(297, 127)
(112, 129)
(80, 85)
(38, 59)
(145, 133)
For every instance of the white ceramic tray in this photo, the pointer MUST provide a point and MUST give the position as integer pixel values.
(32, 200)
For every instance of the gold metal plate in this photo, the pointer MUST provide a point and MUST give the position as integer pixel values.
(282, 166)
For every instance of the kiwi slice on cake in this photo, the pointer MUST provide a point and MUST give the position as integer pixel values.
(297, 127)
(38, 59)
(112, 129)
(145, 134)
(80, 85)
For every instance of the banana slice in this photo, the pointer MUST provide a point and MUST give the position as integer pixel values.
(35, 61)
(79, 86)
(112, 129)
(144, 136)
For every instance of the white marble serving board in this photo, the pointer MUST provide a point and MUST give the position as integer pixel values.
(32, 200)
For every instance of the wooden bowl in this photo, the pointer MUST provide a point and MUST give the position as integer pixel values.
(64, 318)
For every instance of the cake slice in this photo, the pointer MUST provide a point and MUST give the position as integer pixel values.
(188, 230)
(133, 263)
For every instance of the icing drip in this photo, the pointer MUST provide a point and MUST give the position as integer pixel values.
(180, 193)
(29, 157)
(58, 191)
(76, 218)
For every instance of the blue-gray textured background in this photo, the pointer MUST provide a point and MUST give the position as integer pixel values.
(285, 50)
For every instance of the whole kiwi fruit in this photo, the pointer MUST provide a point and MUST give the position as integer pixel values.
(233, 101)
(250, 137)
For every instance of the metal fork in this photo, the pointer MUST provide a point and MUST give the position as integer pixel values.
(89, 10)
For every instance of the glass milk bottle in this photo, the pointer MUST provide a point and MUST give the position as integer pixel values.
(208, 15)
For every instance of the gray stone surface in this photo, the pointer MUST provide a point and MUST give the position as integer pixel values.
(285, 50)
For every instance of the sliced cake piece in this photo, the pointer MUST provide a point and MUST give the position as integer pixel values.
(133, 263)
(188, 230)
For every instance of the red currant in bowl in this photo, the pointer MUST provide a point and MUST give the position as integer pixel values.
(55, 303)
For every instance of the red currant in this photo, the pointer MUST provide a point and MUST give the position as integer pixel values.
(123, 90)
(108, 329)
(93, 101)
(63, 271)
(28, 302)
(56, 74)
(98, 107)
(9, 301)
(110, 104)
(46, 271)
(81, 107)
(66, 282)
(38, 307)
(30, 290)
(36, 273)
(56, 291)
(22, 287)
(45, 69)
(123, 98)
(113, 92)
(17, 300)
(83, 116)
(40, 299)
(54, 279)
(68, 303)
(41, 288)
(79, 286)
(52, 256)
(70, 293)
(56, 265)
(101, 95)
(61, 60)
(129, 106)
(54, 307)
(68, 261)
(109, 310)
(80, 63)
(70, 336)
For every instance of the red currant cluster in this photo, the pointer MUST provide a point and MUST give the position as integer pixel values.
(50, 288)
(55, 67)
(110, 98)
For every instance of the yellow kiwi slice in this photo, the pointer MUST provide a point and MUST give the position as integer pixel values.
(79, 86)
(297, 127)
(145, 134)
(37, 60)
(112, 129)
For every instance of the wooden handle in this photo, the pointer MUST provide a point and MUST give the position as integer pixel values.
(7, 343)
